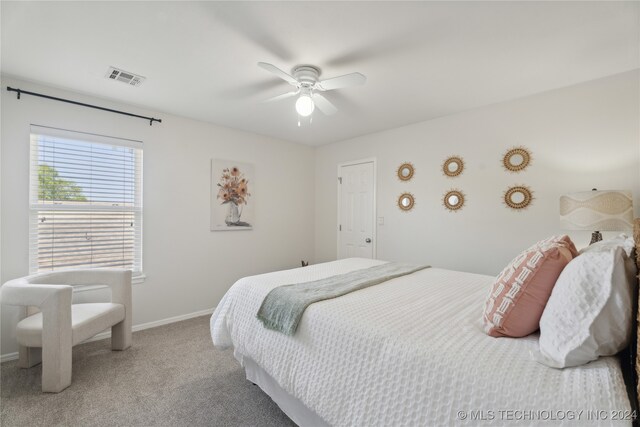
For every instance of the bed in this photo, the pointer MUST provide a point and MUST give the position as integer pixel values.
(410, 351)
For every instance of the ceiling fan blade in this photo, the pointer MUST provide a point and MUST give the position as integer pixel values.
(279, 97)
(278, 72)
(247, 22)
(324, 105)
(348, 80)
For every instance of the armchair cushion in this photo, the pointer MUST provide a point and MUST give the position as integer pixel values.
(87, 320)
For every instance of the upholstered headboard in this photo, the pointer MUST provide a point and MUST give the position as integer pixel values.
(636, 236)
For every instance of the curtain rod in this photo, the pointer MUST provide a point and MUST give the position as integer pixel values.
(82, 104)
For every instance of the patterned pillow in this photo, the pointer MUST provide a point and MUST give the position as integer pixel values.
(518, 297)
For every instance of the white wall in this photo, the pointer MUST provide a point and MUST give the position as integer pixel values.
(581, 137)
(188, 267)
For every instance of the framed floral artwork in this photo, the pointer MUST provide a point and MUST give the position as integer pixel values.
(232, 206)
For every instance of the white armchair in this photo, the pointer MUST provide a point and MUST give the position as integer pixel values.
(47, 336)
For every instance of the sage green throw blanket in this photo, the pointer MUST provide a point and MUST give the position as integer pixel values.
(283, 307)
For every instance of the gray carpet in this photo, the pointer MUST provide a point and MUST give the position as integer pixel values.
(172, 375)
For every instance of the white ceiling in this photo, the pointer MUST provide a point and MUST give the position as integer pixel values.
(422, 59)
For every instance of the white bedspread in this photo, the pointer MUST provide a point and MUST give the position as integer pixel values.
(411, 351)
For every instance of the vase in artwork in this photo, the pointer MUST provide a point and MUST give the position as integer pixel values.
(233, 216)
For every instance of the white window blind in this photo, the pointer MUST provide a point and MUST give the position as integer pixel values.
(86, 201)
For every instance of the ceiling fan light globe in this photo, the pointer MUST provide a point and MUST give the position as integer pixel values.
(305, 105)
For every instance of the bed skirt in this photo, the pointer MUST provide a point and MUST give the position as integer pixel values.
(292, 407)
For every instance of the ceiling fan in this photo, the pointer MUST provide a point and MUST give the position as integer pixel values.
(305, 79)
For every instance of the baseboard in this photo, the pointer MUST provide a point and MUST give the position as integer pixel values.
(9, 356)
(142, 326)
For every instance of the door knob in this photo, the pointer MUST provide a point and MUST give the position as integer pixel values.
(368, 240)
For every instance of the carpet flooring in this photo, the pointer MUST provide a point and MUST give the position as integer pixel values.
(171, 376)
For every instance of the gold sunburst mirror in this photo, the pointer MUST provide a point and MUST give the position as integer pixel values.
(405, 171)
(516, 159)
(453, 200)
(406, 201)
(453, 166)
(518, 197)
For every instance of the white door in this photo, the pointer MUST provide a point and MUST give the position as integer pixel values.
(356, 210)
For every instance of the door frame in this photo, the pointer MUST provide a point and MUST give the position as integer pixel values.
(374, 221)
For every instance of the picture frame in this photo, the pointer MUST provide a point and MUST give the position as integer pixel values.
(232, 195)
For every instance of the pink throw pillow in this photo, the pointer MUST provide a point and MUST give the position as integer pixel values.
(521, 291)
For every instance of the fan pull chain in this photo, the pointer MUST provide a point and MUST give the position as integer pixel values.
(300, 119)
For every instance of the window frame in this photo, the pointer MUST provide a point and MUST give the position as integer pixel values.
(36, 206)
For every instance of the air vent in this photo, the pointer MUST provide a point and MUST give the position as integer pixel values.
(124, 76)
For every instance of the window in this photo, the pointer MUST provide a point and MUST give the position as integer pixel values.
(86, 201)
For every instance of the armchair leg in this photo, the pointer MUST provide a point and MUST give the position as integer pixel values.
(29, 356)
(57, 341)
(56, 369)
(121, 335)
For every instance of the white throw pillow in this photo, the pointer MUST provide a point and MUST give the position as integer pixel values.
(589, 312)
(622, 240)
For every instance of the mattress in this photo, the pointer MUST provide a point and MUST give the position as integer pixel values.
(411, 351)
